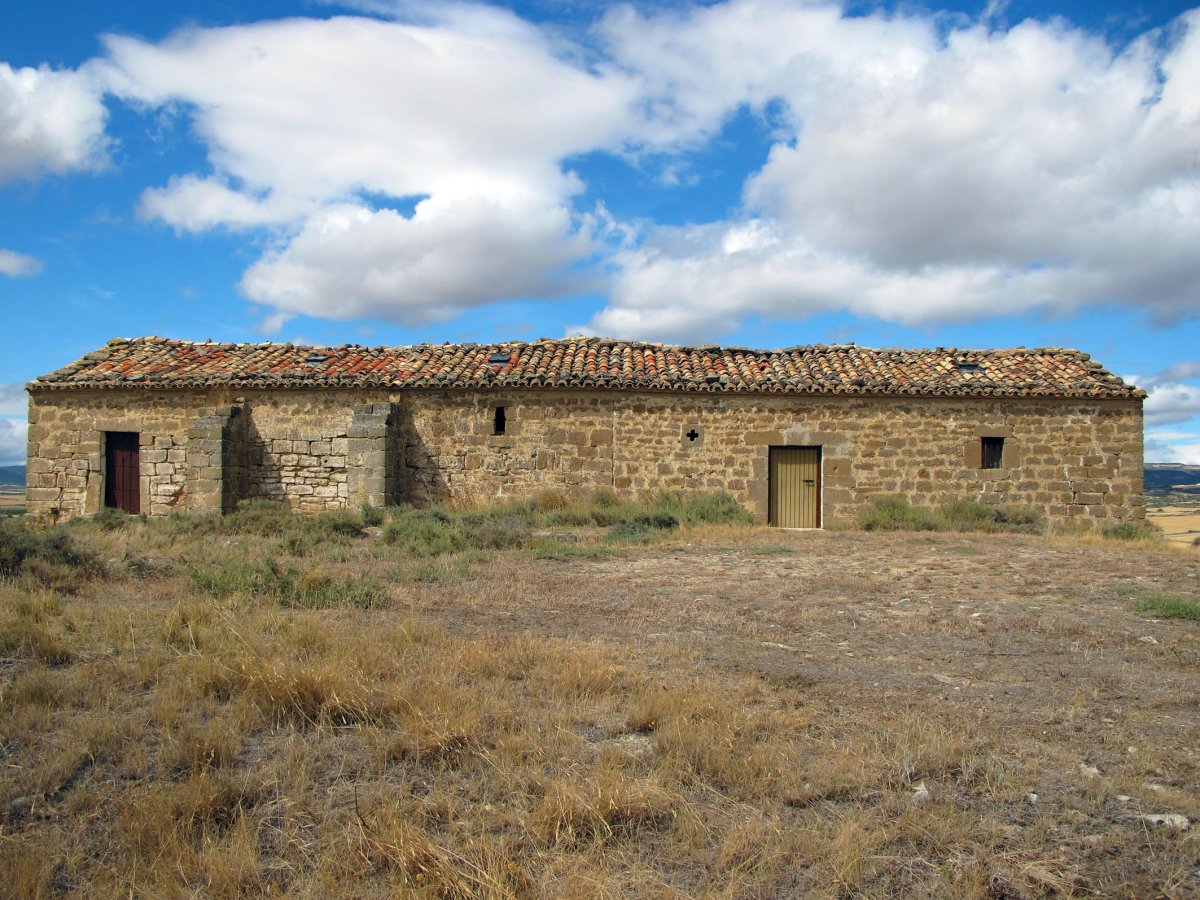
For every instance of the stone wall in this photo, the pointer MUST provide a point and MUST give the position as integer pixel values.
(1077, 461)
(296, 449)
(555, 440)
(65, 473)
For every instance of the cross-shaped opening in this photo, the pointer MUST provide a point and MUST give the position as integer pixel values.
(692, 435)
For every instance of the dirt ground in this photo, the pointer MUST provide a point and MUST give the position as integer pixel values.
(1030, 635)
(904, 714)
(11, 499)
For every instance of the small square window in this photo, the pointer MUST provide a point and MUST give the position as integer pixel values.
(499, 420)
(992, 453)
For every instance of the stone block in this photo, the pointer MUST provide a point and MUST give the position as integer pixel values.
(764, 438)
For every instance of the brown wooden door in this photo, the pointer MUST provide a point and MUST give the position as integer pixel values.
(122, 482)
(795, 487)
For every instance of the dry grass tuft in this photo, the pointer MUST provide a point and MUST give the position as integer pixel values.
(607, 807)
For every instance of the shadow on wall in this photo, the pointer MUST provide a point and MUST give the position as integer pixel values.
(304, 468)
(380, 460)
(418, 476)
(235, 455)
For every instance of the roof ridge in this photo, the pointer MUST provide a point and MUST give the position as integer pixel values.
(593, 362)
(657, 345)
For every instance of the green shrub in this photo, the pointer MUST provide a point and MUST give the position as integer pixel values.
(284, 584)
(583, 514)
(893, 513)
(441, 569)
(644, 527)
(1020, 518)
(1166, 606)
(261, 517)
(499, 528)
(423, 532)
(320, 590)
(24, 548)
(234, 575)
(190, 524)
(372, 516)
(549, 501)
(266, 518)
(606, 509)
(605, 497)
(1133, 531)
(340, 522)
(714, 509)
(110, 519)
(971, 515)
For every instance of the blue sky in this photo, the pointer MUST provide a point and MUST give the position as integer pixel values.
(753, 172)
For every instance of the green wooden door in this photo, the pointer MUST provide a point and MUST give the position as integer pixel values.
(795, 483)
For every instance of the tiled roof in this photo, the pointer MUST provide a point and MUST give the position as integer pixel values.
(153, 362)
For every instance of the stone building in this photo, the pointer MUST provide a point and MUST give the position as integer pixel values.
(804, 437)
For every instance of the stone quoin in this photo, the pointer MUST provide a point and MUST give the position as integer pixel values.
(805, 436)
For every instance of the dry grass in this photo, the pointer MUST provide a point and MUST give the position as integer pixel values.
(726, 712)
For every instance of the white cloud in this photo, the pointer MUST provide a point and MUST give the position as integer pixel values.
(1188, 454)
(918, 177)
(18, 265)
(1169, 404)
(1171, 399)
(921, 172)
(1180, 371)
(695, 282)
(13, 400)
(349, 261)
(323, 128)
(50, 121)
(14, 435)
(191, 203)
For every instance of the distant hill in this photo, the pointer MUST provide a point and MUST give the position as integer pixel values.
(1165, 481)
(1161, 475)
(12, 476)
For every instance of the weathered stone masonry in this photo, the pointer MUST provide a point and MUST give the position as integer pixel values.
(1077, 459)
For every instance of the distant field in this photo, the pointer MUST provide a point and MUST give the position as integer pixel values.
(1173, 501)
(1180, 524)
(498, 707)
(11, 501)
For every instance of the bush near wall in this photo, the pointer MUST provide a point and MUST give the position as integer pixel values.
(894, 513)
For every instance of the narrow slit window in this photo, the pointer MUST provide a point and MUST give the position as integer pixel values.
(993, 452)
(499, 420)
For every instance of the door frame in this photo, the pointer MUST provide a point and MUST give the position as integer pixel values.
(109, 492)
(820, 486)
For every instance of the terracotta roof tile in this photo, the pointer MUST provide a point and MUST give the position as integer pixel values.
(153, 362)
